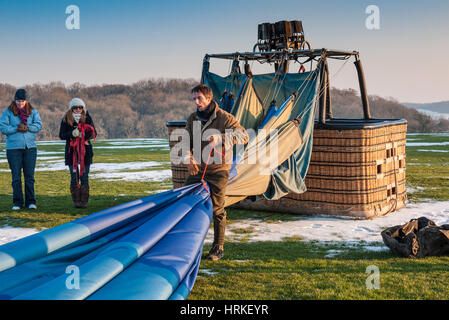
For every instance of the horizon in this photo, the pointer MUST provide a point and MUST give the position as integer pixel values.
(124, 43)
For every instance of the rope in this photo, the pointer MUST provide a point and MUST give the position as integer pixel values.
(265, 100)
(207, 163)
(279, 85)
(229, 79)
(341, 67)
(78, 149)
(302, 86)
(321, 92)
(309, 105)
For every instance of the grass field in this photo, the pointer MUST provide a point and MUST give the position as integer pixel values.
(289, 269)
(428, 167)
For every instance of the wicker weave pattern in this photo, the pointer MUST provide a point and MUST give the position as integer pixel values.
(359, 173)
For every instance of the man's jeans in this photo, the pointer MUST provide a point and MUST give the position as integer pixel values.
(25, 159)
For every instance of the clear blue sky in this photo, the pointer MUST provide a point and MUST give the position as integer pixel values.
(127, 41)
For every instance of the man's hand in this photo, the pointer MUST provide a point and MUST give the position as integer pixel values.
(214, 140)
(192, 167)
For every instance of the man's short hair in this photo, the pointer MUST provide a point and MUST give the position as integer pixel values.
(205, 90)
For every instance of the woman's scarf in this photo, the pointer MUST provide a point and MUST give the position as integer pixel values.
(23, 115)
(204, 115)
(77, 117)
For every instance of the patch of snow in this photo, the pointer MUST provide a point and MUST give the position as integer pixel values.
(430, 150)
(132, 140)
(108, 167)
(413, 190)
(207, 272)
(145, 142)
(328, 228)
(156, 191)
(127, 146)
(49, 158)
(332, 253)
(418, 164)
(425, 144)
(376, 248)
(51, 143)
(52, 165)
(428, 134)
(155, 175)
(8, 234)
(49, 153)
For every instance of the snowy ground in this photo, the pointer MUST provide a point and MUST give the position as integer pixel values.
(308, 228)
(325, 228)
(128, 171)
(8, 234)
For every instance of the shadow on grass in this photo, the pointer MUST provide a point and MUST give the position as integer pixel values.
(310, 257)
(300, 270)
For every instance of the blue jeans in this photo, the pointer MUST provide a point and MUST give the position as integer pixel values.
(84, 179)
(25, 159)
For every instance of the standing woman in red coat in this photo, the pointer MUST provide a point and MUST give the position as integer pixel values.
(77, 129)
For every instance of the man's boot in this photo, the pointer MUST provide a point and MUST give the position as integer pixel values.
(84, 196)
(76, 196)
(216, 252)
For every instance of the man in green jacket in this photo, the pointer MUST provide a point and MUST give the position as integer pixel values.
(213, 133)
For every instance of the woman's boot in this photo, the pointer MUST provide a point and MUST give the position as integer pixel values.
(76, 196)
(84, 196)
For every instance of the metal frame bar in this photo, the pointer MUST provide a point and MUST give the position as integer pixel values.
(363, 92)
(325, 104)
(278, 55)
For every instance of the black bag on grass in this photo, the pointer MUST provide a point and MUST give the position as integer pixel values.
(418, 238)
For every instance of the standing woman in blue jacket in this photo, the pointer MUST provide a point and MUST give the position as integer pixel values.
(20, 123)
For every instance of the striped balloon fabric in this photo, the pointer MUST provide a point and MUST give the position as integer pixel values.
(144, 249)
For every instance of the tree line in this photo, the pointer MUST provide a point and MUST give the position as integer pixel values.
(141, 109)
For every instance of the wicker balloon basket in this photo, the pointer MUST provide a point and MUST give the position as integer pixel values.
(357, 169)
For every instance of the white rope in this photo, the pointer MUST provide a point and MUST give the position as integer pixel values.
(229, 77)
(321, 92)
(279, 84)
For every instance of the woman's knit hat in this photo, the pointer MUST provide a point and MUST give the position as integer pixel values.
(21, 94)
(77, 102)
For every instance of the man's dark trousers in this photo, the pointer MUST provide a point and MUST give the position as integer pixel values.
(217, 181)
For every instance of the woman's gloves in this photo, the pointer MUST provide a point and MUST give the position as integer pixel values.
(22, 127)
(76, 133)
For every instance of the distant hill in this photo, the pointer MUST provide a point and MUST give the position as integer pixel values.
(439, 107)
(141, 109)
(347, 104)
